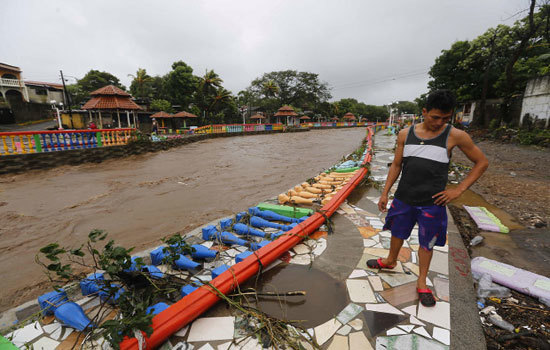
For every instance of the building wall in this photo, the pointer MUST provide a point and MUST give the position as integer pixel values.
(41, 94)
(536, 99)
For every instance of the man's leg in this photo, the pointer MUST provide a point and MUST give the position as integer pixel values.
(424, 259)
(395, 247)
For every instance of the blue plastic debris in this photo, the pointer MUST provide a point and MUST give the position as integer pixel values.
(157, 308)
(91, 284)
(219, 270)
(50, 301)
(184, 263)
(226, 223)
(72, 315)
(201, 252)
(240, 257)
(187, 289)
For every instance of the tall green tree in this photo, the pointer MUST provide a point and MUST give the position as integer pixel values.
(180, 84)
(141, 85)
(300, 89)
(93, 80)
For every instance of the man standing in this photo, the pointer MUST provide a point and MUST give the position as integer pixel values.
(422, 158)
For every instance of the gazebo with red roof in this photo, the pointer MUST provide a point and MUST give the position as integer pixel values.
(259, 118)
(349, 116)
(286, 111)
(110, 98)
(184, 115)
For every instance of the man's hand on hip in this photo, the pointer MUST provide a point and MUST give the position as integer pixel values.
(444, 197)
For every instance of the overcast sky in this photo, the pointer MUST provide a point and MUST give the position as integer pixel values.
(374, 51)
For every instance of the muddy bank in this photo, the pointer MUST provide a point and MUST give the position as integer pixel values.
(143, 198)
(517, 181)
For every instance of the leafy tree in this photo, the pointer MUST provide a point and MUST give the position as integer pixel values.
(180, 84)
(93, 80)
(497, 63)
(406, 107)
(141, 84)
(161, 105)
(300, 89)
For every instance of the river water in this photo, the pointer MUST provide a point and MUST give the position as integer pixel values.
(141, 199)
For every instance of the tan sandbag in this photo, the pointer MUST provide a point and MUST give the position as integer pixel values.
(312, 190)
(300, 200)
(345, 175)
(304, 194)
(326, 200)
(323, 182)
(321, 186)
(283, 198)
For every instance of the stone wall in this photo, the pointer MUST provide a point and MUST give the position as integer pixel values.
(30, 161)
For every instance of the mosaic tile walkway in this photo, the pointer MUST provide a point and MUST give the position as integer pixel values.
(382, 309)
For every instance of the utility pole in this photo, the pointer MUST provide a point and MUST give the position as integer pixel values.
(67, 98)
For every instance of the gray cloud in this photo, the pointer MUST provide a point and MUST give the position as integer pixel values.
(374, 51)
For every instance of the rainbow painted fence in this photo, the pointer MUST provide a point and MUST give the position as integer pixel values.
(60, 140)
(230, 128)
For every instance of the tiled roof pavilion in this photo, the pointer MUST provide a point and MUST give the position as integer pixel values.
(111, 97)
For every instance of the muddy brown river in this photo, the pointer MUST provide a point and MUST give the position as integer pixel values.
(141, 199)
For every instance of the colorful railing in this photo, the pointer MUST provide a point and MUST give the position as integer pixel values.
(60, 140)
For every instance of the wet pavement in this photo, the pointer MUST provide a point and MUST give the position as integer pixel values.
(372, 309)
(346, 304)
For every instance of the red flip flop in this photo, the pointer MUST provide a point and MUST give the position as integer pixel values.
(377, 264)
(426, 297)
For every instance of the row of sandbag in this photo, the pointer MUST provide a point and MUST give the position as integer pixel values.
(320, 191)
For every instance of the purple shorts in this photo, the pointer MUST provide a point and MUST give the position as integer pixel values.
(432, 223)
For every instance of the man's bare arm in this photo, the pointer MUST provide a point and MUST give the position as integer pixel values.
(395, 170)
(467, 146)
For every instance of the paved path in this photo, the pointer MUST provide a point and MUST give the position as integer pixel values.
(348, 305)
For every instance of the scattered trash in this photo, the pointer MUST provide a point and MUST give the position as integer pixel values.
(545, 301)
(487, 288)
(513, 174)
(486, 220)
(499, 322)
(488, 310)
(480, 305)
(476, 240)
(507, 275)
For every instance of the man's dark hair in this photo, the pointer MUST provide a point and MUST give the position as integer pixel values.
(444, 100)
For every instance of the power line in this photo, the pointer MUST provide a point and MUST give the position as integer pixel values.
(372, 80)
(369, 83)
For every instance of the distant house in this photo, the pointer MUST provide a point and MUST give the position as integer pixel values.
(536, 100)
(11, 85)
(41, 92)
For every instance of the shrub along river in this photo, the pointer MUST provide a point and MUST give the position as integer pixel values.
(141, 199)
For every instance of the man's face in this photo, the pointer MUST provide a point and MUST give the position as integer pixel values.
(435, 119)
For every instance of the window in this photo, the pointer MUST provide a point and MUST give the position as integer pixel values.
(40, 91)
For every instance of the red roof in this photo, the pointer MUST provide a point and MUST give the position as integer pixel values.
(285, 111)
(41, 83)
(161, 114)
(109, 90)
(305, 117)
(257, 116)
(349, 116)
(184, 114)
(111, 102)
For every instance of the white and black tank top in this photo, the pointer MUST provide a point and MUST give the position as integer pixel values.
(425, 168)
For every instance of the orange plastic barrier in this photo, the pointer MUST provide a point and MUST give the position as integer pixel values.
(193, 305)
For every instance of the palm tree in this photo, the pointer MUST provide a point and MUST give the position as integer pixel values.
(209, 83)
(141, 79)
(270, 89)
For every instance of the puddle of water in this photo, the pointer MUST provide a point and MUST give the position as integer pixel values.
(472, 199)
(325, 296)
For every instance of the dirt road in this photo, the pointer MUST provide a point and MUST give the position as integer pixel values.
(141, 199)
